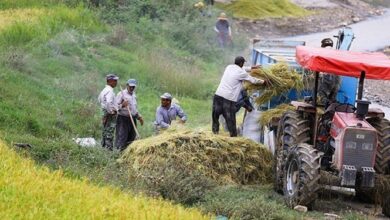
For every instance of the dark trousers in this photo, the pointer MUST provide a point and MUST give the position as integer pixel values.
(125, 132)
(228, 110)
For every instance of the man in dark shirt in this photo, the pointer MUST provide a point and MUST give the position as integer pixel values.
(329, 83)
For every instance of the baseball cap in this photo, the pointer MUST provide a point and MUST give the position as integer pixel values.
(112, 77)
(166, 96)
(132, 82)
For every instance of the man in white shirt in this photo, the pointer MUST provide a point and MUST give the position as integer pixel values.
(226, 96)
(107, 102)
(125, 131)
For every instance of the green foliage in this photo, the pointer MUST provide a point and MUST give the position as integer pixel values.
(258, 9)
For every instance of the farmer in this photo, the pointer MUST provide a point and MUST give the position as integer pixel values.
(329, 83)
(200, 6)
(210, 2)
(125, 130)
(107, 102)
(224, 32)
(227, 94)
(167, 112)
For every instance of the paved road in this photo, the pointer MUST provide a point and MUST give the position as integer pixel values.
(370, 35)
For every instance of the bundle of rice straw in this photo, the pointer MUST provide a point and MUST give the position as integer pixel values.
(280, 79)
(223, 159)
(268, 116)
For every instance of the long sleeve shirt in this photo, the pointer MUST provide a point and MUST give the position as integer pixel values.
(231, 82)
(131, 99)
(165, 116)
(107, 100)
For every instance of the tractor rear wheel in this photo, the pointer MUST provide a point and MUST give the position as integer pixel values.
(382, 161)
(301, 176)
(292, 129)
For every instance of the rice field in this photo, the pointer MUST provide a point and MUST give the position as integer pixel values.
(31, 192)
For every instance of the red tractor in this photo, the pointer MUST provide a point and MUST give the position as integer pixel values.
(348, 144)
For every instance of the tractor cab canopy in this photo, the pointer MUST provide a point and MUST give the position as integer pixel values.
(344, 63)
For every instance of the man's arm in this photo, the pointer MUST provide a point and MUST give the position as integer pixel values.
(180, 113)
(111, 105)
(160, 119)
(244, 76)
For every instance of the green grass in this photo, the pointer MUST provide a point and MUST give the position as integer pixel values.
(21, 26)
(259, 9)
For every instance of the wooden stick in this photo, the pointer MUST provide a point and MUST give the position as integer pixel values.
(137, 136)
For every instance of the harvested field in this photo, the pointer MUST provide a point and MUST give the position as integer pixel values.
(224, 160)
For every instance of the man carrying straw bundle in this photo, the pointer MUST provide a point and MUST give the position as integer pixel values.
(226, 96)
(125, 127)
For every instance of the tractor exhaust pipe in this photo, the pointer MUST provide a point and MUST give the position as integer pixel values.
(362, 109)
(361, 106)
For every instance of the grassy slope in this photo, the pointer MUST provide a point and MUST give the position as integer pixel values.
(258, 9)
(36, 193)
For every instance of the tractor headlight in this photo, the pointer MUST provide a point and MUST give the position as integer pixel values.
(367, 146)
(350, 145)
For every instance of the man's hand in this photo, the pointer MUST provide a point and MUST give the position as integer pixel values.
(181, 121)
(141, 120)
(124, 103)
(256, 67)
(266, 82)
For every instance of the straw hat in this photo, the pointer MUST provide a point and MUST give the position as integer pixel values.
(222, 16)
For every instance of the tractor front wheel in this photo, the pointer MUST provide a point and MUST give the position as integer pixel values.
(301, 176)
(292, 129)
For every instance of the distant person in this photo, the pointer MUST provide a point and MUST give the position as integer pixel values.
(200, 6)
(107, 102)
(167, 112)
(227, 95)
(329, 83)
(125, 131)
(224, 32)
(210, 2)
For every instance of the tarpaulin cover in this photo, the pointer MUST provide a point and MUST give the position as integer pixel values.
(345, 63)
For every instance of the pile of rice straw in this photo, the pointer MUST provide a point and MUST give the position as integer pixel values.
(280, 79)
(268, 116)
(223, 159)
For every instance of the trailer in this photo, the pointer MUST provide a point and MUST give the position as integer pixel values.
(270, 52)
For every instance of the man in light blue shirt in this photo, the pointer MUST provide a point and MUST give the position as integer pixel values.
(167, 112)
